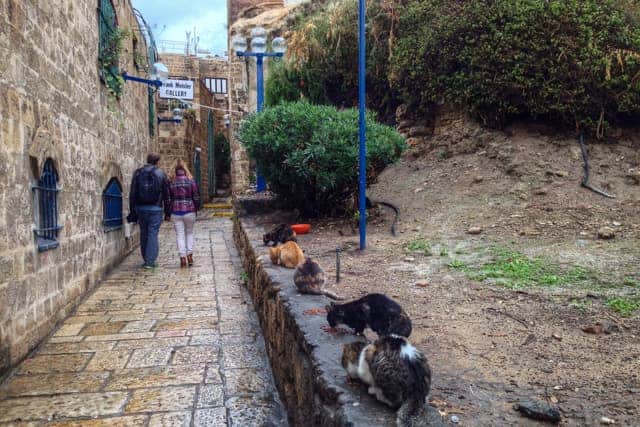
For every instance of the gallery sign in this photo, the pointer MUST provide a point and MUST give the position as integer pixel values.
(177, 89)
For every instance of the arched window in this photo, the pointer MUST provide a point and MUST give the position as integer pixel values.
(47, 202)
(110, 46)
(112, 205)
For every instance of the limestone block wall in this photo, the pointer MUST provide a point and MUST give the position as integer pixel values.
(53, 105)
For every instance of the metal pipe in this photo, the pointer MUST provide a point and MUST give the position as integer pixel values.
(337, 265)
(261, 185)
(363, 133)
(156, 83)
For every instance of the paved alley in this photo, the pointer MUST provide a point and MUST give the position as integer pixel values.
(174, 347)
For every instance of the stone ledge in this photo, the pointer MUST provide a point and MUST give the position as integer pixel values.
(305, 360)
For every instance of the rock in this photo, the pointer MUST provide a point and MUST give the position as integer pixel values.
(556, 336)
(422, 284)
(478, 179)
(538, 411)
(606, 233)
(561, 174)
(455, 419)
(616, 224)
(607, 421)
(417, 190)
(413, 142)
(474, 230)
(540, 191)
(418, 131)
(633, 176)
(601, 327)
(409, 259)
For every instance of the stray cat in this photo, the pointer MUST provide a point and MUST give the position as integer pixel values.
(382, 314)
(310, 279)
(288, 255)
(396, 373)
(283, 233)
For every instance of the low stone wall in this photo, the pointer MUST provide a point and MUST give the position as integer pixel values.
(305, 360)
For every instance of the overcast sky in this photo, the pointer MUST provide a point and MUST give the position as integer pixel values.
(170, 19)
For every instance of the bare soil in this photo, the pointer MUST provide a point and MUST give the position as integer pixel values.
(490, 346)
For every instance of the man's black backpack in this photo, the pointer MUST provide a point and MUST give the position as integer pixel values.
(148, 187)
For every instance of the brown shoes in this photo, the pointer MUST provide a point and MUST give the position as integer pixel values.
(183, 262)
(190, 259)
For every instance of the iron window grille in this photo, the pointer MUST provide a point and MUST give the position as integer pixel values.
(216, 85)
(112, 205)
(47, 201)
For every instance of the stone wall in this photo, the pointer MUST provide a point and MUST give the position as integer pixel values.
(53, 105)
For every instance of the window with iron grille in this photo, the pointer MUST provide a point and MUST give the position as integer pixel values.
(216, 85)
(110, 46)
(47, 208)
(112, 205)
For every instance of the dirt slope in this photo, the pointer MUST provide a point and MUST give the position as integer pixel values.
(491, 345)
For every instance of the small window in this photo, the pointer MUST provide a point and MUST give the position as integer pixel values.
(112, 205)
(47, 205)
(216, 85)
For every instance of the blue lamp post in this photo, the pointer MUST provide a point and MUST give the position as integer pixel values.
(259, 51)
(363, 133)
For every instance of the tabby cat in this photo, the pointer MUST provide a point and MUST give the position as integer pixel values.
(288, 255)
(310, 279)
(396, 373)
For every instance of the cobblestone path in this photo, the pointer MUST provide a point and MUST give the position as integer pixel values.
(168, 347)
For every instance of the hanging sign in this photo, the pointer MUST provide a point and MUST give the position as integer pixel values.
(177, 89)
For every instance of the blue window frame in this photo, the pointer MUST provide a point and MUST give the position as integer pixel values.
(112, 205)
(47, 200)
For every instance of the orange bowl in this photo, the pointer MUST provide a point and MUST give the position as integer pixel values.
(301, 228)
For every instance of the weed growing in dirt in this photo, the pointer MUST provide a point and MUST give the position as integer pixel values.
(456, 264)
(626, 306)
(244, 277)
(630, 281)
(420, 245)
(581, 305)
(444, 251)
(516, 270)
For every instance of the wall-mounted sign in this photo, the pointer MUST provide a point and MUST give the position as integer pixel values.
(177, 89)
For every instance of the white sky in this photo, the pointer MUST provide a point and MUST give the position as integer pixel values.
(170, 19)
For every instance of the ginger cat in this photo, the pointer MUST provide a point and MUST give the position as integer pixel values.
(288, 255)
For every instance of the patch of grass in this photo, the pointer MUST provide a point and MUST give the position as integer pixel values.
(444, 251)
(442, 155)
(244, 277)
(630, 281)
(515, 270)
(456, 264)
(420, 245)
(626, 306)
(581, 305)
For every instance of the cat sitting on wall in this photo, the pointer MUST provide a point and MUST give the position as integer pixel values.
(283, 233)
(288, 255)
(396, 373)
(310, 279)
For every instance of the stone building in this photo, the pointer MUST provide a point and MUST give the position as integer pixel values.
(217, 84)
(71, 135)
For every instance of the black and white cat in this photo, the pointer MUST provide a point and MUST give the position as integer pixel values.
(396, 373)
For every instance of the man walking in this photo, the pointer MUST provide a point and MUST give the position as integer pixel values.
(149, 191)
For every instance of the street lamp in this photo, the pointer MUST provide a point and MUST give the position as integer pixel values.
(177, 117)
(158, 76)
(259, 51)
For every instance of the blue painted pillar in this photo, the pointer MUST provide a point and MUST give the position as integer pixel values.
(363, 132)
(261, 184)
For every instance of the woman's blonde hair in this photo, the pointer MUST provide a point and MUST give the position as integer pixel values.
(177, 165)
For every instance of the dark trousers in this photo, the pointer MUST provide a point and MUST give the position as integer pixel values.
(150, 220)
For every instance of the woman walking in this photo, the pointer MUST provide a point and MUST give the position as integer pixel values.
(184, 203)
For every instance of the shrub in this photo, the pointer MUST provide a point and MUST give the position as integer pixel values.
(322, 61)
(309, 153)
(575, 62)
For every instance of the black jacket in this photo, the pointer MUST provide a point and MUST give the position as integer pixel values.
(163, 198)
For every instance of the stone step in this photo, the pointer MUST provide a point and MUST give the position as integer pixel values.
(218, 206)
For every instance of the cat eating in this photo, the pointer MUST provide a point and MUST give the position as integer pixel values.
(283, 233)
(396, 373)
(310, 279)
(382, 314)
(288, 255)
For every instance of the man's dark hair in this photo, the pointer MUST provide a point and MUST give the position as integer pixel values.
(153, 158)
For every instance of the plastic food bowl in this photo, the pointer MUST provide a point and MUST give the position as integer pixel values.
(301, 228)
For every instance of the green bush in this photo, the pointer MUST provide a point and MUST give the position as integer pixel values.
(573, 62)
(322, 60)
(309, 153)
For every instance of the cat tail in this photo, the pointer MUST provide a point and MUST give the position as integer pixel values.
(331, 295)
(412, 413)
